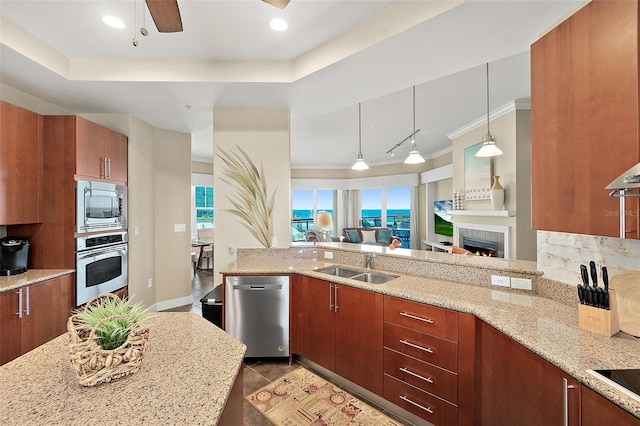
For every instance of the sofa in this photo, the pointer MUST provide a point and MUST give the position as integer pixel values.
(375, 236)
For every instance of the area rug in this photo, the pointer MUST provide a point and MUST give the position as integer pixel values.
(303, 398)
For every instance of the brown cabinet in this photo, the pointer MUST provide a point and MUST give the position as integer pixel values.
(33, 315)
(597, 411)
(100, 153)
(340, 328)
(585, 119)
(519, 387)
(21, 165)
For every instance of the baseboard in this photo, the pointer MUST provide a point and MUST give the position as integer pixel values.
(173, 303)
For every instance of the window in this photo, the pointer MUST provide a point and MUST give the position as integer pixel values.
(371, 213)
(305, 204)
(203, 201)
(390, 208)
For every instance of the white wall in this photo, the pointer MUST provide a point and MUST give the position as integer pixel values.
(263, 133)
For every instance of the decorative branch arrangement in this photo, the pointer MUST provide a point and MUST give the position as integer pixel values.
(250, 201)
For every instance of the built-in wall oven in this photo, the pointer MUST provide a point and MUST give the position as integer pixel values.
(100, 206)
(101, 265)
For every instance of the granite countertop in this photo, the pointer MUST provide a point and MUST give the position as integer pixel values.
(32, 276)
(546, 327)
(185, 378)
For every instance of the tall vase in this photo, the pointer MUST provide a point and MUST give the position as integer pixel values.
(497, 194)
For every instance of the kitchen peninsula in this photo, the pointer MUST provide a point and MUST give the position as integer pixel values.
(191, 374)
(539, 326)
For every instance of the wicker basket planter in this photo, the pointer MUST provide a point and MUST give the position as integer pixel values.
(93, 364)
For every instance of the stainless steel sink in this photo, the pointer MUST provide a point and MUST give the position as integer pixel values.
(367, 277)
(373, 278)
(337, 271)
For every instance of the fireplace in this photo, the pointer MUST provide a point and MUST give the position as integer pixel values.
(487, 239)
(480, 247)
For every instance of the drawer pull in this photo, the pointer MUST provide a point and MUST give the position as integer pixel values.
(427, 409)
(426, 379)
(413, 345)
(404, 314)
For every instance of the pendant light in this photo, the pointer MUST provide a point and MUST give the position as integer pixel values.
(359, 164)
(414, 155)
(489, 148)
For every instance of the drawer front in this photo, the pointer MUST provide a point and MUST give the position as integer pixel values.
(438, 322)
(433, 350)
(436, 381)
(421, 404)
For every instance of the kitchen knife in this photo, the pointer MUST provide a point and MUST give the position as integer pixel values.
(597, 292)
(605, 282)
(586, 290)
(594, 274)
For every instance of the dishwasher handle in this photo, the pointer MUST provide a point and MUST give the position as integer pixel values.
(257, 287)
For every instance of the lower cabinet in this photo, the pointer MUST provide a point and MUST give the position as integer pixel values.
(598, 411)
(33, 315)
(340, 328)
(519, 387)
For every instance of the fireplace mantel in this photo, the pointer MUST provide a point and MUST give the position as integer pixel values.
(496, 213)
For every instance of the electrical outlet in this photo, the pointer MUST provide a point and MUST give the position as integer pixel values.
(150, 283)
(521, 283)
(328, 255)
(179, 227)
(136, 231)
(500, 280)
(500, 296)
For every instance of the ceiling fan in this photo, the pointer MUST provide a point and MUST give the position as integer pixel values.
(166, 14)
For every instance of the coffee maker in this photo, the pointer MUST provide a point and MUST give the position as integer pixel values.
(14, 254)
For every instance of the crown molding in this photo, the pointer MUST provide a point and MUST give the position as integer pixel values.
(496, 113)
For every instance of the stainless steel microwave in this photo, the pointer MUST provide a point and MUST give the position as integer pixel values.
(100, 206)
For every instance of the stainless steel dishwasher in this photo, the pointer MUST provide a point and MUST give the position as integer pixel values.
(257, 314)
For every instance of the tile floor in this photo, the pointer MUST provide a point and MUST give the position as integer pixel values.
(257, 373)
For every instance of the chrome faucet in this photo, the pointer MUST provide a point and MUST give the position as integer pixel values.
(370, 256)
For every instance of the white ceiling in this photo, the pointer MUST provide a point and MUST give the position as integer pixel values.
(334, 55)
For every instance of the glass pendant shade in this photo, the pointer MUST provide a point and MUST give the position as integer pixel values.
(359, 164)
(414, 155)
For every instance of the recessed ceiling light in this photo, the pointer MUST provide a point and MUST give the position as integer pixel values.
(113, 22)
(279, 24)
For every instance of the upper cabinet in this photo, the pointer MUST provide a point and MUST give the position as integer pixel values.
(100, 153)
(21, 165)
(584, 119)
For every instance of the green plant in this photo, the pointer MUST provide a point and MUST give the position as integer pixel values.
(113, 333)
(251, 201)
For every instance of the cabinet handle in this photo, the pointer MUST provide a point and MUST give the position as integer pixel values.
(413, 345)
(427, 409)
(104, 167)
(330, 295)
(404, 314)
(19, 303)
(335, 298)
(109, 163)
(28, 302)
(426, 379)
(565, 397)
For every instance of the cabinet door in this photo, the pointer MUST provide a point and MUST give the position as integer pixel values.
(584, 92)
(21, 165)
(90, 153)
(116, 154)
(520, 388)
(9, 326)
(359, 353)
(315, 321)
(597, 411)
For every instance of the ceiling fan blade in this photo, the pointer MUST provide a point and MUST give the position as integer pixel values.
(166, 15)
(281, 4)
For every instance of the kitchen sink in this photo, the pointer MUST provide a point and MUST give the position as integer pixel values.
(337, 271)
(373, 278)
(367, 277)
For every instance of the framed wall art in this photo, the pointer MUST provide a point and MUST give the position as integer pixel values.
(477, 174)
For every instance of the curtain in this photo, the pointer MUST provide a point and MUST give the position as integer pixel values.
(413, 222)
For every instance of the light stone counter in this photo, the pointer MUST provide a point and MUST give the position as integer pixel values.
(186, 377)
(546, 327)
(32, 276)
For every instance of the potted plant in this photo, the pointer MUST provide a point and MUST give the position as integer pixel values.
(106, 338)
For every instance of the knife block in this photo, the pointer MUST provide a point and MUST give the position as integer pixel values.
(601, 321)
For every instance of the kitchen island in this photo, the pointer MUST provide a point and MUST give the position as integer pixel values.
(546, 327)
(191, 374)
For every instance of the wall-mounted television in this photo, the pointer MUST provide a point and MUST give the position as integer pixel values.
(443, 222)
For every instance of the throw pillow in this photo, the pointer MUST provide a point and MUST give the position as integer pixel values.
(353, 236)
(368, 237)
(384, 236)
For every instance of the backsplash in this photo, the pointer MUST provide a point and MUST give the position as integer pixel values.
(560, 255)
(3, 231)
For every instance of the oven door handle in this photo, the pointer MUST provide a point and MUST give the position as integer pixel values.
(107, 250)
